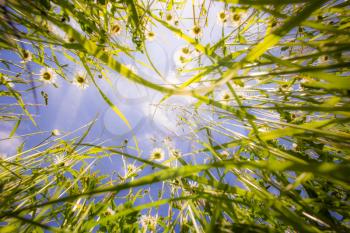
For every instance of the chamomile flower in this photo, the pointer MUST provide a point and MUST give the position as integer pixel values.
(69, 39)
(148, 221)
(116, 29)
(323, 59)
(6, 81)
(27, 56)
(237, 17)
(132, 68)
(110, 211)
(55, 132)
(196, 31)
(47, 75)
(157, 154)
(181, 60)
(169, 18)
(222, 17)
(225, 96)
(185, 51)
(175, 153)
(294, 146)
(150, 35)
(182, 56)
(193, 184)
(225, 154)
(60, 160)
(132, 169)
(80, 80)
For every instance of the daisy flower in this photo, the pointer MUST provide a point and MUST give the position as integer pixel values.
(225, 154)
(6, 80)
(225, 96)
(27, 56)
(131, 169)
(169, 18)
(150, 35)
(185, 51)
(222, 17)
(157, 154)
(237, 17)
(148, 221)
(58, 159)
(132, 68)
(182, 56)
(181, 60)
(55, 132)
(61, 160)
(81, 80)
(47, 75)
(196, 31)
(116, 29)
(175, 153)
(193, 184)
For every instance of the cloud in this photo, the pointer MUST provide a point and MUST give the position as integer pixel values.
(8, 147)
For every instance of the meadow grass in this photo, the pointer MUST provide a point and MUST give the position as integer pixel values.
(270, 117)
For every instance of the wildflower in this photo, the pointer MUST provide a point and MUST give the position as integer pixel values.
(131, 169)
(148, 221)
(58, 160)
(193, 184)
(157, 154)
(55, 132)
(132, 68)
(236, 18)
(222, 17)
(185, 51)
(196, 31)
(323, 59)
(169, 18)
(80, 80)
(110, 211)
(47, 75)
(150, 35)
(225, 154)
(27, 56)
(116, 29)
(69, 39)
(175, 153)
(167, 140)
(6, 81)
(181, 60)
(225, 96)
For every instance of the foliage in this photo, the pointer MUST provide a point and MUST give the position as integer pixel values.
(276, 143)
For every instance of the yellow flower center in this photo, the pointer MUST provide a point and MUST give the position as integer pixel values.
(196, 30)
(151, 34)
(46, 76)
(185, 50)
(236, 17)
(25, 54)
(226, 96)
(169, 17)
(222, 15)
(116, 28)
(157, 155)
(80, 79)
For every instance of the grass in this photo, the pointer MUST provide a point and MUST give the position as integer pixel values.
(270, 121)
